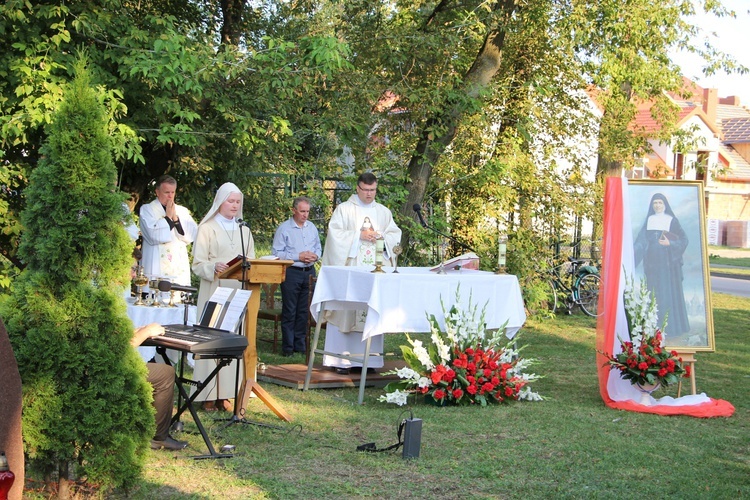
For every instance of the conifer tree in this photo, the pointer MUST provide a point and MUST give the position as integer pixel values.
(87, 412)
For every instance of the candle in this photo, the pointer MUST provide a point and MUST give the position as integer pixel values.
(379, 246)
(502, 250)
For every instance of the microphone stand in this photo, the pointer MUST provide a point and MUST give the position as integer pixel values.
(456, 241)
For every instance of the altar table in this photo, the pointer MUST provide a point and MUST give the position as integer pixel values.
(144, 315)
(400, 302)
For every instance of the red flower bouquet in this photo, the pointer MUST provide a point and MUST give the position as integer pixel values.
(463, 364)
(642, 360)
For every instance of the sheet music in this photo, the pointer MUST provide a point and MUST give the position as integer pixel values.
(221, 295)
(234, 309)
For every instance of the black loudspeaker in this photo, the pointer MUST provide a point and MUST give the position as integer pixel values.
(412, 437)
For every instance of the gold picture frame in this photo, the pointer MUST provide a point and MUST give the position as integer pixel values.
(670, 249)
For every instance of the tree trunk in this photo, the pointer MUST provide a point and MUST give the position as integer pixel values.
(63, 483)
(430, 146)
(232, 19)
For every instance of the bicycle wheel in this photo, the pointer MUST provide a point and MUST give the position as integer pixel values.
(550, 291)
(587, 291)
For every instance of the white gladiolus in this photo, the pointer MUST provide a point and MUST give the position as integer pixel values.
(421, 353)
(407, 373)
(397, 397)
(423, 382)
(526, 394)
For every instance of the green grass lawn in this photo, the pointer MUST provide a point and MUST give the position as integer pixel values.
(569, 446)
(741, 263)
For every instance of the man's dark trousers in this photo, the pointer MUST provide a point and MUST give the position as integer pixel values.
(295, 290)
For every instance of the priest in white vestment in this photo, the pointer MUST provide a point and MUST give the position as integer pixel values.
(354, 228)
(220, 239)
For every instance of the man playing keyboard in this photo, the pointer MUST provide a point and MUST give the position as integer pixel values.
(161, 378)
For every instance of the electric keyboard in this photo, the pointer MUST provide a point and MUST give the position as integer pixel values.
(201, 341)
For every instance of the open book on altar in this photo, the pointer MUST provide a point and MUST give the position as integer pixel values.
(464, 261)
(225, 308)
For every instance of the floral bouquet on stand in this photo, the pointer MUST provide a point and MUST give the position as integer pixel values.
(642, 360)
(463, 364)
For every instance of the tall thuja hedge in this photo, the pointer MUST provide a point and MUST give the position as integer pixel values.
(87, 406)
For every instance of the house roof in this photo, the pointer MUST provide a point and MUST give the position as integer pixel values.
(646, 123)
(738, 168)
(736, 130)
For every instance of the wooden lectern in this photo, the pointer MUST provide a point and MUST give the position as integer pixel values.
(259, 272)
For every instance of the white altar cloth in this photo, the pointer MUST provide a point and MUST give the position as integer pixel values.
(399, 302)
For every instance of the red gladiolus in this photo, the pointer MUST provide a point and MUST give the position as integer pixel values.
(469, 351)
(459, 363)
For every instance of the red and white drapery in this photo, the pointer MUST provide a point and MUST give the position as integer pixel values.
(617, 263)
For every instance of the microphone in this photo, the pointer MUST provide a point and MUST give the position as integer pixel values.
(165, 286)
(418, 208)
(241, 223)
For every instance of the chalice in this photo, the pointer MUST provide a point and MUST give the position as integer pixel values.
(396, 251)
(140, 281)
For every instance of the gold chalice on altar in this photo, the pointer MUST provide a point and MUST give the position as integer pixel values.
(396, 251)
(140, 280)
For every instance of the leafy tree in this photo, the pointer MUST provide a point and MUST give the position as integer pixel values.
(87, 411)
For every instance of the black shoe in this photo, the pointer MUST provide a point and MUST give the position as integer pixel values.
(343, 371)
(168, 444)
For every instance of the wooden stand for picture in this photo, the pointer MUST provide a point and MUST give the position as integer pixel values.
(688, 358)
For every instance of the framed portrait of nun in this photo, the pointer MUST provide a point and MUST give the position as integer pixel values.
(668, 225)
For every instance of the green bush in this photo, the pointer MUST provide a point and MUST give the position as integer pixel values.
(87, 412)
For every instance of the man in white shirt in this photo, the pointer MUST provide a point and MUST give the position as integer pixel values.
(167, 229)
(354, 228)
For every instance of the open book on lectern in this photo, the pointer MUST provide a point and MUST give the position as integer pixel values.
(225, 309)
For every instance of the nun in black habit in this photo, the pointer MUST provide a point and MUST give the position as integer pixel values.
(660, 245)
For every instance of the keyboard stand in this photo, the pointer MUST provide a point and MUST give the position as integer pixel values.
(181, 381)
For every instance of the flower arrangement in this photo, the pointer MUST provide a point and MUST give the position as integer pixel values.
(464, 364)
(642, 359)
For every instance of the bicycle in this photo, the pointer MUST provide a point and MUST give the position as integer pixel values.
(579, 284)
